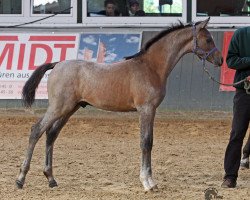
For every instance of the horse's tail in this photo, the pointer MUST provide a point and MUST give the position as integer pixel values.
(29, 89)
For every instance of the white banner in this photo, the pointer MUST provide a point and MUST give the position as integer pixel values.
(21, 54)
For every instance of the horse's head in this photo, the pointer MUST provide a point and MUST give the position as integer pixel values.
(204, 46)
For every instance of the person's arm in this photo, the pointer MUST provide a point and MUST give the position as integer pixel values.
(234, 61)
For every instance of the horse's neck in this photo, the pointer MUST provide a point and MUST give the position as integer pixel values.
(165, 54)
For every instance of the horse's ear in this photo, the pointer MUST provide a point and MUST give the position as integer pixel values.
(203, 24)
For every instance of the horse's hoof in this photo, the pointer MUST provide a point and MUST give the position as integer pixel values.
(149, 190)
(19, 184)
(152, 184)
(244, 167)
(149, 184)
(152, 190)
(155, 188)
(53, 184)
(244, 164)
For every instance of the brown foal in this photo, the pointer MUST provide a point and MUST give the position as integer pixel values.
(135, 84)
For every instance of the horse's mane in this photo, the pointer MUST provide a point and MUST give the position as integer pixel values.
(160, 35)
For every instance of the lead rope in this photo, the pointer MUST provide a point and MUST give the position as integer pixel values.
(247, 86)
(245, 81)
(203, 58)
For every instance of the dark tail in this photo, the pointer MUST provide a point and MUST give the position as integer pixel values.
(29, 89)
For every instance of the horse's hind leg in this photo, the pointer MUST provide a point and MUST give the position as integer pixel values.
(244, 163)
(36, 132)
(52, 134)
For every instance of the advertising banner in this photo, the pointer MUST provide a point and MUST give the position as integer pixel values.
(21, 54)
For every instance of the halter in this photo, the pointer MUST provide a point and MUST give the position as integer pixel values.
(203, 56)
(199, 51)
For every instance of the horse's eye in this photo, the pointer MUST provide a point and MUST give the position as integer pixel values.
(209, 40)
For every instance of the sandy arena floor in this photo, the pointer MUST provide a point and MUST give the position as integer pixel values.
(97, 156)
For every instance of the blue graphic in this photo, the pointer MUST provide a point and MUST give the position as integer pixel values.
(107, 47)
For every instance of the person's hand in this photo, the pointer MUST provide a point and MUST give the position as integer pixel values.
(248, 78)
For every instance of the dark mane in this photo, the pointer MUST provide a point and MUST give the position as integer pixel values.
(160, 35)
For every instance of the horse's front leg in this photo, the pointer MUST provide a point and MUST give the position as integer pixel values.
(147, 115)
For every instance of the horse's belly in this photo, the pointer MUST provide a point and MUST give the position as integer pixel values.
(111, 102)
(117, 109)
(121, 107)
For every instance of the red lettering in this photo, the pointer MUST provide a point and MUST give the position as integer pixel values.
(64, 48)
(42, 51)
(8, 38)
(52, 38)
(21, 57)
(8, 49)
(33, 50)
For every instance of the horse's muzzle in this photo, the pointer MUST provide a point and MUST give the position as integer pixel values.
(217, 58)
(220, 61)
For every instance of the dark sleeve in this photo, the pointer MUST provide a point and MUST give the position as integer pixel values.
(234, 61)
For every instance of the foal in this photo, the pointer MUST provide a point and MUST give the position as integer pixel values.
(135, 84)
